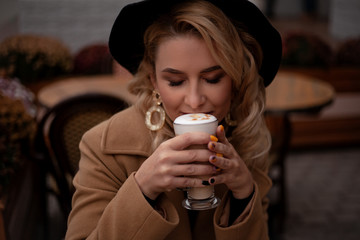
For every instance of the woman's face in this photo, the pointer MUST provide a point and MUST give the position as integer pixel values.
(189, 80)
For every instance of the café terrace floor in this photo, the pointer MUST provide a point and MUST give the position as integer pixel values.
(323, 194)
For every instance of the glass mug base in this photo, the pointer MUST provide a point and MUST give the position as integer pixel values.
(201, 204)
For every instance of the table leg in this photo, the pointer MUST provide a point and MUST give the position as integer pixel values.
(280, 129)
(2, 223)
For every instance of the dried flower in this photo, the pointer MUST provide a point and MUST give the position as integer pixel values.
(306, 50)
(31, 57)
(348, 53)
(17, 127)
(93, 59)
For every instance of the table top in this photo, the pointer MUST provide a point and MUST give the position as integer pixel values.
(289, 92)
(294, 92)
(69, 87)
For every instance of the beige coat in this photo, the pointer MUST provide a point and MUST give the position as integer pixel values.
(108, 203)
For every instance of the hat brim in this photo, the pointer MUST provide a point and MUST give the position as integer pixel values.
(126, 37)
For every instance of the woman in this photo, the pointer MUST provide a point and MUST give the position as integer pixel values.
(188, 57)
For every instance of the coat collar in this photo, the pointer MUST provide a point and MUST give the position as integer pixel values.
(126, 133)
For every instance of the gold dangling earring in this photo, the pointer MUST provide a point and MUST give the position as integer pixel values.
(229, 121)
(156, 108)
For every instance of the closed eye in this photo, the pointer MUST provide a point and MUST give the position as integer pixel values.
(174, 83)
(215, 79)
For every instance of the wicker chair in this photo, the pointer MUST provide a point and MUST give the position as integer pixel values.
(59, 134)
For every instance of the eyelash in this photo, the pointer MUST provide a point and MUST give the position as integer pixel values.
(210, 81)
(213, 81)
(175, 84)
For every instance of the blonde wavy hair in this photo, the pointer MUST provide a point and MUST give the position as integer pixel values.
(237, 53)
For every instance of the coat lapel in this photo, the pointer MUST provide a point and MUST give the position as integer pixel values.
(126, 133)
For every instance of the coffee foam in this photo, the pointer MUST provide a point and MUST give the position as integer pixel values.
(194, 119)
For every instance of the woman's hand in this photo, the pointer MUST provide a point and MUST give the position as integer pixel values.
(233, 171)
(172, 165)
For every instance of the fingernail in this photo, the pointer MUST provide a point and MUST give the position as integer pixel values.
(218, 169)
(213, 138)
(212, 146)
(212, 181)
(221, 128)
(213, 159)
(219, 155)
(205, 183)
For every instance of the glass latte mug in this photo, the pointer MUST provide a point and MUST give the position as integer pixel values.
(198, 198)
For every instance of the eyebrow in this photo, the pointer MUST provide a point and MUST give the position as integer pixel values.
(206, 70)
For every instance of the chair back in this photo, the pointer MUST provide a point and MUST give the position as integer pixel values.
(62, 128)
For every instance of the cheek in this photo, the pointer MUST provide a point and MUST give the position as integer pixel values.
(226, 96)
(223, 101)
(169, 100)
(223, 104)
(171, 103)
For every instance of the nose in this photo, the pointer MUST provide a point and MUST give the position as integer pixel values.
(195, 98)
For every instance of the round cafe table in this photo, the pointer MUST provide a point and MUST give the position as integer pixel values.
(290, 93)
(293, 92)
(69, 87)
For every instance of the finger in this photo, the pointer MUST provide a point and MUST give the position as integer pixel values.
(220, 133)
(213, 160)
(186, 182)
(186, 140)
(220, 162)
(218, 179)
(192, 170)
(189, 156)
(219, 148)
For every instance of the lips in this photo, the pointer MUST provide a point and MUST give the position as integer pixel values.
(211, 112)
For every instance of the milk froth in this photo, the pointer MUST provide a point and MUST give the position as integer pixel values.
(195, 122)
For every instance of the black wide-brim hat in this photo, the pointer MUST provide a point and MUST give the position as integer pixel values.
(126, 37)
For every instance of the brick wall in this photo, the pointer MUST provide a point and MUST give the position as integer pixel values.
(75, 22)
(345, 18)
(81, 22)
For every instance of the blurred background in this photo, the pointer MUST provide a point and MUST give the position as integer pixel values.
(44, 41)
